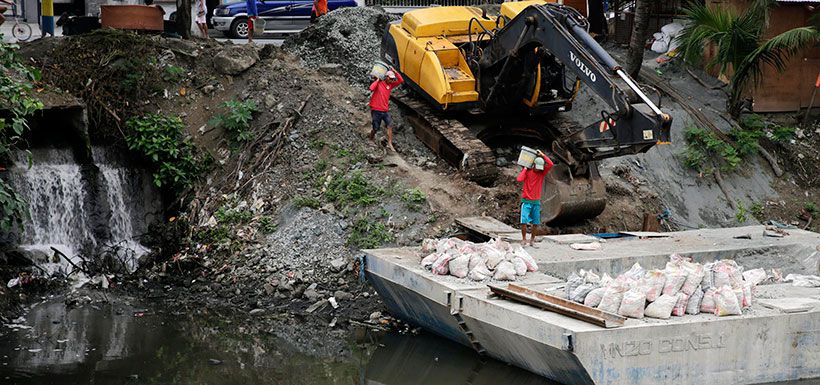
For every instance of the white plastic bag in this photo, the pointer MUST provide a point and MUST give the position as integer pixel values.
(505, 271)
(460, 266)
(520, 266)
(479, 273)
(635, 273)
(528, 259)
(442, 265)
(477, 259)
(632, 304)
(707, 304)
(747, 295)
(594, 297)
(694, 276)
(580, 293)
(674, 281)
(680, 306)
(428, 261)
(662, 307)
(755, 276)
(611, 300)
(428, 245)
(726, 302)
(693, 306)
(654, 280)
(494, 257)
(573, 281)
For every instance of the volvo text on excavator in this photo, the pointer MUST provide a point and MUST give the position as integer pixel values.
(479, 82)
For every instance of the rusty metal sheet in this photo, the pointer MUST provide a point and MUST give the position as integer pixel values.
(559, 305)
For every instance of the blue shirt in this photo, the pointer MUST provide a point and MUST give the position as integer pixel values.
(251, 5)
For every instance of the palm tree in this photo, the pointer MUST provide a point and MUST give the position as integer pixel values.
(739, 43)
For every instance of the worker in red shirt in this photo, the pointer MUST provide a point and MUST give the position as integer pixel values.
(380, 104)
(319, 9)
(533, 179)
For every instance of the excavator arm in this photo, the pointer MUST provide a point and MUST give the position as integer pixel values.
(559, 33)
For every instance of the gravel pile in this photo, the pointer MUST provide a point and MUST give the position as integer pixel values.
(350, 37)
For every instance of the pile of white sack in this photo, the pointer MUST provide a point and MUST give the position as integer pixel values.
(496, 259)
(683, 287)
(666, 40)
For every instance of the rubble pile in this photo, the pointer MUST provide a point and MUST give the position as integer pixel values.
(497, 259)
(683, 287)
(347, 37)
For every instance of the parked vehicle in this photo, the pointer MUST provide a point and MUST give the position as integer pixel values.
(281, 16)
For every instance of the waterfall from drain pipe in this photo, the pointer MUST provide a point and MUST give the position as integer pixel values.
(80, 210)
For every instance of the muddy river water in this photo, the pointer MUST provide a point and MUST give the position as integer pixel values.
(124, 344)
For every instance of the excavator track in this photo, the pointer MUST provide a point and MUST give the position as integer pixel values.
(450, 140)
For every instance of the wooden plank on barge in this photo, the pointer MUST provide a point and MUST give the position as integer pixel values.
(559, 305)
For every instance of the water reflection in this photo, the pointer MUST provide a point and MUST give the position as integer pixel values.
(118, 344)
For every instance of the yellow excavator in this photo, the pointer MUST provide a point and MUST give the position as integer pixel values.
(480, 82)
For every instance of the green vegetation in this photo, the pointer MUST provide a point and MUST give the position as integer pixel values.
(367, 234)
(414, 198)
(811, 208)
(217, 234)
(16, 83)
(231, 216)
(352, 190)
(741, 215)
(703, 145)
(757, 211)
(159, 138)
(173, 74)
(741, 48)
(267, 225)
(236, 121)
(307, 201)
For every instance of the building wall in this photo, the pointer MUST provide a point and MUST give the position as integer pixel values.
(791, 89)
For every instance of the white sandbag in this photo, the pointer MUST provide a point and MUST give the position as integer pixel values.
(494, 257)
(755, 276)
(660, 46)
(662, 307)
(591, 277)
(594, 297)
(477, 259)
(505, 271)
(460, 266)
(573, 281)
(803, 280)
(519, 252)
(442, 265)
(611, 300)
(672, 29)
(674, 281)
(479, 273)
(708, 276)
(632, 304)
(520, 266)
(606, 280)
(747, 295)
(707, 303)
(694, 276)
(680, 306)
(693, 306)
(635, 273)
(580, 293)
(428, 261)
(726, 302)
(428, 245)
(654, 281)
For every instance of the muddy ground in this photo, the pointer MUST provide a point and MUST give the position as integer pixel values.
(272, 231)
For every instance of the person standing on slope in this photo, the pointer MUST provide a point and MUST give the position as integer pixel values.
(533, 179)
(380, 104)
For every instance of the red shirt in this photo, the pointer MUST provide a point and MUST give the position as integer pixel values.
(533, 181)
(380, 99)
(320, 7)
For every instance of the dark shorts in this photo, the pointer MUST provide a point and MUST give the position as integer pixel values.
(379, 117)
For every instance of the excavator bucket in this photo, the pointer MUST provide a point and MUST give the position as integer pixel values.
(572, 198)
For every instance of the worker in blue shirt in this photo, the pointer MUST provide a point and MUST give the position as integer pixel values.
(252, 14)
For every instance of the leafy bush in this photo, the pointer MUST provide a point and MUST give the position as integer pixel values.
(16, 83)
(741, 215)
(811, 208)
(173, 74)
(303, 201)
(159, 138)
(757, 211)
(413, 198)
(367, 234)
(228, 216)
(267, 225)
(236, 121)
(783, 134)
(703, 145)
(352, 190)
(746, 141)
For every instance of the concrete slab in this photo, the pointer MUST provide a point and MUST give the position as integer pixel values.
(490, 227)
(791, 304)
(646, 234)
(566, 239)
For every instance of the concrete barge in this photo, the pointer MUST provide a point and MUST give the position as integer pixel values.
(776, 342)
